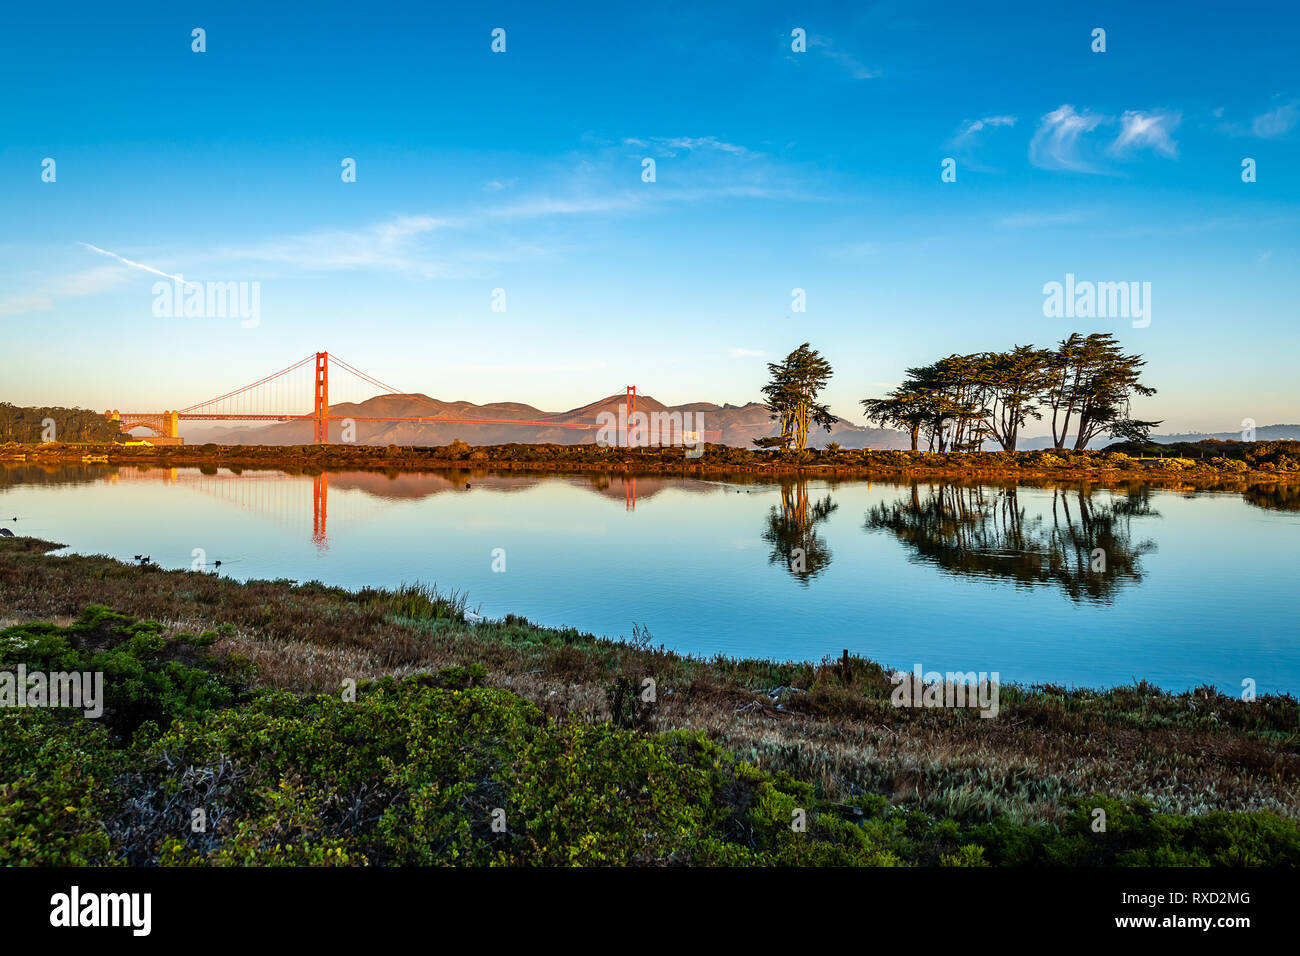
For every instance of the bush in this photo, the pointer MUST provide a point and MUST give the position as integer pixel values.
(1234, 465)
(1135, 835)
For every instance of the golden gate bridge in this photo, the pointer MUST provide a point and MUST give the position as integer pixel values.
(270, 399)
(273, 399)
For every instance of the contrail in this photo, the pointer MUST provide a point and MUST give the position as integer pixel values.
(138, 265)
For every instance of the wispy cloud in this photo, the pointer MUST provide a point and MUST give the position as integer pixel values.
(1147, 130)
(89, 282)
(544, 369)
(1029, 220)
(1056, 141)
(671, 146)
(1218, 224)
(1059, 141)
(1276, 122)
(73, 285)
(625, 200)
(25, 302)
(970, 130)
(745, 353)
(847, 61)
(970, 135)
(546, 205)
(464, 242)
(389, 246)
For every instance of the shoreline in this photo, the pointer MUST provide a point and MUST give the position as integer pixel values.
(1275, 466)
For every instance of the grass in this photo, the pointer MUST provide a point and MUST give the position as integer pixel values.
(230, 699)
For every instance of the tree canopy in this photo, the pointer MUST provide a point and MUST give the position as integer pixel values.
(963, 401)
(28, 424)
(792, 397)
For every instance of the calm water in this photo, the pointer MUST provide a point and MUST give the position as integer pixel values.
(1197, 588)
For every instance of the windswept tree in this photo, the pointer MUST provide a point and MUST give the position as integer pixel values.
(961, 402)
(1011, 383)
(901, 408)
(1090, 385)
(792, 398)
(957, 396)
(941, 400)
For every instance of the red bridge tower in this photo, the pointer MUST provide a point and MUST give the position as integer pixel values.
(322, 405)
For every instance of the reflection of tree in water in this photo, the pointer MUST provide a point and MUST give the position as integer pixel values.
(987, 532)
(14, 475)
(1277, 497)
(793, 526)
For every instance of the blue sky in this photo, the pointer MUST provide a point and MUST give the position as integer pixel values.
(522, 171)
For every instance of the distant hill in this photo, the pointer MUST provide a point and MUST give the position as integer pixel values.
(737, 425)
(1262, 433)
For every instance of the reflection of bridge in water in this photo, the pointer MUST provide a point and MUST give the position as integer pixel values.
(274, 494)
(281, 496)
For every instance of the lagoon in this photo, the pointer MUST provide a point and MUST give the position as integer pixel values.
(1072, 585)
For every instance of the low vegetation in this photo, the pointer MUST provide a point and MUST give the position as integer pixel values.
(1201, 464)
(508, 743)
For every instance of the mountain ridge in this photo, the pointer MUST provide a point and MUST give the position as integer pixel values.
(735, 425)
